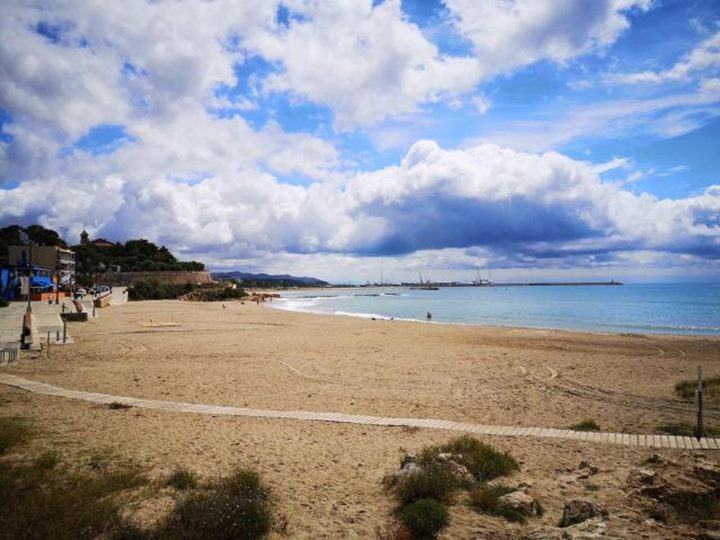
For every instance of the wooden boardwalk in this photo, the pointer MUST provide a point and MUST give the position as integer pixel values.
(621, 439)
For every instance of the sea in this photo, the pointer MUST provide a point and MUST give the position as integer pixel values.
(648, 308)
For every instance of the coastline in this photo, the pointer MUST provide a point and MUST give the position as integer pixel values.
(614, 328)
(245, 355)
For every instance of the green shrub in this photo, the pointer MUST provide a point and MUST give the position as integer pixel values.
(586, 425)
(485, 498)
(47, 461)
(482, 460)
(42, 502)
(13, 431)
(685, 429)
(711, 388)
(154, 290)
(238, 507)
(433, 481)
(182, 479)
(425, 518)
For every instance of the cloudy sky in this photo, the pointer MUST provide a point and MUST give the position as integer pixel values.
(541, 139)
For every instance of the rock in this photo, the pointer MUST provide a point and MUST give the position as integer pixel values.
(407, 458)
(545, 533)
(525, 485)
(644, 477)
(579, 510)
(592, 469)
(461, 472)
(410, 468)
(592, 528)
(707, 471)
(520, 501)
(655, 459)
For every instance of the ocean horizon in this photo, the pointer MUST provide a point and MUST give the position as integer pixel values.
(647, 308)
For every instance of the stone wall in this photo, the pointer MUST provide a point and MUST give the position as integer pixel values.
(174, 278)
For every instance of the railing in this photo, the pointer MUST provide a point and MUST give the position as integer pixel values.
(9, 352)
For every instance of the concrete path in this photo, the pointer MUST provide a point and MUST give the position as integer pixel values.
(620, 439)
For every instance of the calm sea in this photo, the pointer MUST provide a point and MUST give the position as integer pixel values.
(677, 308)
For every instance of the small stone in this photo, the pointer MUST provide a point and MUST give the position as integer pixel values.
(643, 476)
(579, 510)
(407, 458)
(520, 501)
(592, 469)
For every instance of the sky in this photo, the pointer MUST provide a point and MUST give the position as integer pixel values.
(567, 139)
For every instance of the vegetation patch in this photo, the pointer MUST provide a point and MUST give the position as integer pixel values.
(586, 425)
(44, 500)
(425, 518)
(154, 290)
(485, 498)
(182, 479)
(47, 461)
(711, 388)
(237, 507)
(691, 506)
(482, 460)
(684, 429)
(13, 431)
(426, 484)
(116, 405)
(433, 481)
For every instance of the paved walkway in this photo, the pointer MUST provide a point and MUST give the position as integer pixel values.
(622, 439)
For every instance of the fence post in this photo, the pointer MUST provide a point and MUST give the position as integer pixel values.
(699, 404)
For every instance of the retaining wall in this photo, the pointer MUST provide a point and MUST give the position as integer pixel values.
(173, 278)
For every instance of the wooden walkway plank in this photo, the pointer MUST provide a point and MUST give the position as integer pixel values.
(622, 439)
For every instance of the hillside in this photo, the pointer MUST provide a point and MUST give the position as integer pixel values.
(268, 280)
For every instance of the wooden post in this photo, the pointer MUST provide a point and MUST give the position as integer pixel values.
(699, 404)
(64, 330)
(48, 344)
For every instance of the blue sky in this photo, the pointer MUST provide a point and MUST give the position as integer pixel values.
(543, 139)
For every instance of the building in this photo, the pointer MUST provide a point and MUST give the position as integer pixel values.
(98, 242)
(57, 261)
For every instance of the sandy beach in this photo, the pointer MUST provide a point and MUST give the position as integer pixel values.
(327, 477)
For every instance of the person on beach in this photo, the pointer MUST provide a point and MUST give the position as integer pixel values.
(429, 316)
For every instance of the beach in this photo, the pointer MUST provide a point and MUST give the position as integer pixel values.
(327, 476)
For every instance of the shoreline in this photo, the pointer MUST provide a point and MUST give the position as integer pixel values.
(380, 317)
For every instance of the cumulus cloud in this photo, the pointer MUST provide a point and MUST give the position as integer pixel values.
(365, 62)
(508, 34)
(524, 207)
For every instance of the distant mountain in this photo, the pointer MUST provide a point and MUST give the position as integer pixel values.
(281, 279)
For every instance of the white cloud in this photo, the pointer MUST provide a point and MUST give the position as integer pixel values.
(480, 103)
(671, 115)
(706, 56)
(508, 34)
(365, 62)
